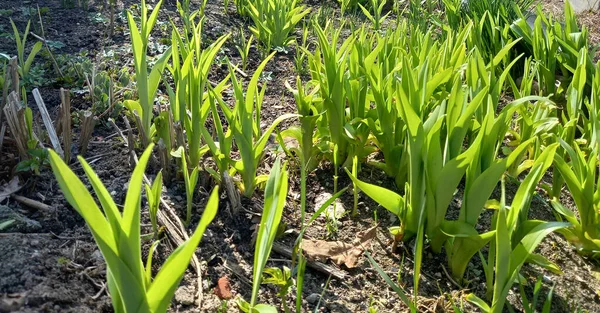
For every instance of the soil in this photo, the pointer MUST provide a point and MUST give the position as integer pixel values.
(49, 262)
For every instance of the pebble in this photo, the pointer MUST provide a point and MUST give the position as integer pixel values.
(97, 255)
(313, 298)
(331, 212)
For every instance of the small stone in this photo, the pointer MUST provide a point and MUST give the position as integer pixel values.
(178, 198)
(313, 298)
(113, 193)
(438, 275)
(97, 255)
(334, 211)
(184, 296)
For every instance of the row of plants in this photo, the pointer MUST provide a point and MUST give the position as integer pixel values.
(425, 105)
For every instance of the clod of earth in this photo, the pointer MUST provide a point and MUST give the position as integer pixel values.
(223, 289)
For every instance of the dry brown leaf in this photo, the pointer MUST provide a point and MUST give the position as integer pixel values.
(10, 188)
(338, 251)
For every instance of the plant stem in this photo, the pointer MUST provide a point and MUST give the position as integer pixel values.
(302, 192)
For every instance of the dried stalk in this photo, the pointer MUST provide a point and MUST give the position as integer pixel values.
(65, 122)
(164, 157)
(15, 116)
(47, 122)
(143, 134)
(13, 68)
(179, 134)
(2, 133)
(88, 122)
(7, 79)
(232, 194)
(42, 38)
(130, 140)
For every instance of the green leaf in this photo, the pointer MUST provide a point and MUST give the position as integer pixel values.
(478, 302)
(275, 197)
(264, 308)
(388, 199)
(403, 296)
(34, 51)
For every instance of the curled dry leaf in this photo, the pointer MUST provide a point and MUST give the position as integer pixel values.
(9, 189)
(338, 251)
(223, 289)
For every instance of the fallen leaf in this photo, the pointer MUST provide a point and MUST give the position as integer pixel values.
(338, 251)
(10, 188)
(223, 289)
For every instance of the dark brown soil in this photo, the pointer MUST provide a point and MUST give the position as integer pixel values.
(55, 266)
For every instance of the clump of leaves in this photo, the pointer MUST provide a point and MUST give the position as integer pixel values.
(37, 159)
(117, 235)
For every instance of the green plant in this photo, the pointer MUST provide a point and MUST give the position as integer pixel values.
(516, 238)
(25, 63)
(507, 10)
(242, 7)
(347, 5)
(401, 294)
(117, 235)
(153, 194)
(275, 196)
(274, 20)
(301, 51)
(190, 67)
(581, 177)
(243, 48)
(531, 306)
(38, 158)
(190, 176)
(146, 83)
(307, 105)
(328, 67)
(282, 278)
(245, 124)
(103, 86)
(376, 18)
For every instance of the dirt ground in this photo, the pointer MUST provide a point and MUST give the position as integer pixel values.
(49, 262)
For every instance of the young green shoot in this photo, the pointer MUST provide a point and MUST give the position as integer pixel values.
(117, 235)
